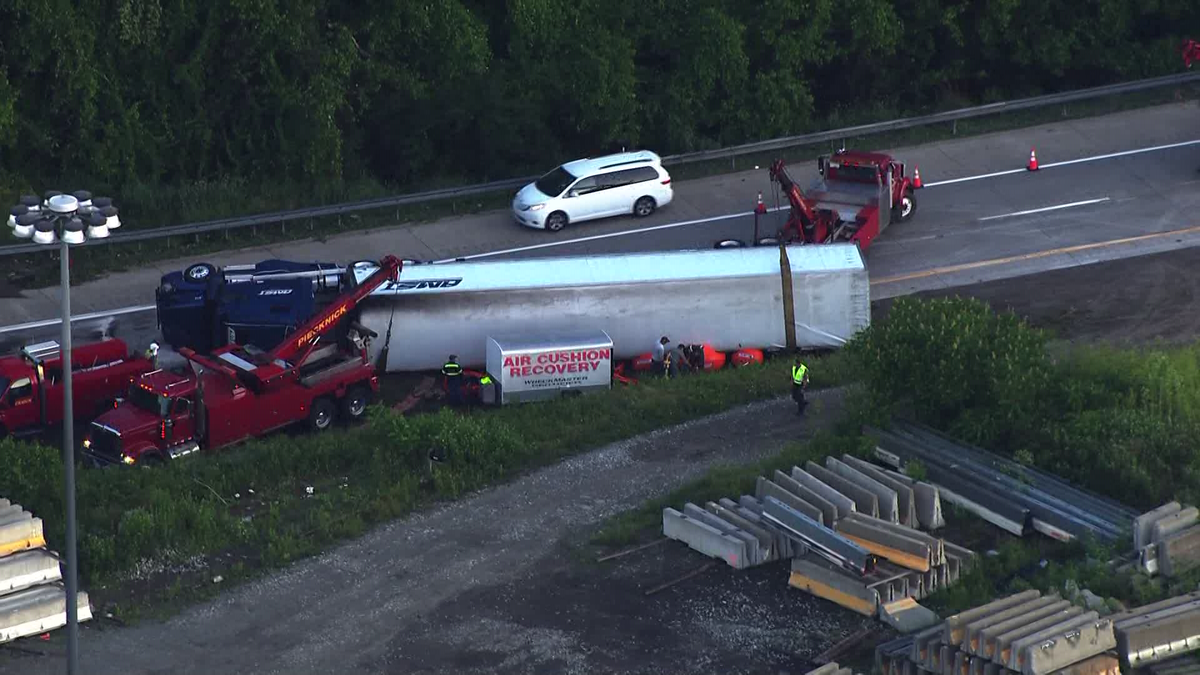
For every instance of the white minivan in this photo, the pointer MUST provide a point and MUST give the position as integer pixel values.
(586, 189)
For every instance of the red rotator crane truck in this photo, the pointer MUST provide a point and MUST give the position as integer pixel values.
(31, 386)
(858, 196)
(236, 393)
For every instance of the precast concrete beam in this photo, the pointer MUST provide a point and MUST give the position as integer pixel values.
(1046, 655)
(955, 627)
(1015, 657)
(1175, 522)
(865, 501)
(906, 616)
(947, 660)
(766, 488)
(965, 557)
(918, 651)
(937, 546)
(818, 537)
(1179, 551)
(766, 540)
(1011, 518)
(38, 610)
(1159, 634)
(827, 669)
(1100, 664)
(905, 501)
(829, 512)
(840, 501)
(818, 577)
(1143, 524)
(890, 582)
(929, 506)
(904, 551)
(886, 498)
(973, 637)
(21, 532)
(26, 569)
(1188, 664)
(750, 503)
(1129, 615)
(704, 538)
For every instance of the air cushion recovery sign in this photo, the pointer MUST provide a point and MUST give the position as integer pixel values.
(419, 285)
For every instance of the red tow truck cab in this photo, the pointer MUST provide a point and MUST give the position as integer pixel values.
(31, 389)
(237, 392)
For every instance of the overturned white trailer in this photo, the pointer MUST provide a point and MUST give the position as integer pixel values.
(727, 298)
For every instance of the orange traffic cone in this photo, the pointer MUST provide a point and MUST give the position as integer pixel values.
(917, 185)
(1032, 160)
(760, 207)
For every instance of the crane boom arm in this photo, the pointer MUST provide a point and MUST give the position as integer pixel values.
(801, 206)
(303, 337)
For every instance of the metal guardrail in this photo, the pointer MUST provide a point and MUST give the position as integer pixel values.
(282, 217)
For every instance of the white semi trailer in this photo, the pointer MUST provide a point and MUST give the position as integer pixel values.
(727, 298)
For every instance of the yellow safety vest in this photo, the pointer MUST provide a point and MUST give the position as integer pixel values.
(451, 369)
(798, 373)
(486, 379)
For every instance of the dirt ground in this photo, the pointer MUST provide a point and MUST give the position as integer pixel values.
(503, 583)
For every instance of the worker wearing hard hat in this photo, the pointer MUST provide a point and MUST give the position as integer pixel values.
(799, 384)
(453, 374)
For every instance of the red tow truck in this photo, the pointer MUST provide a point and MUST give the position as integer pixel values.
(858, 196)
(31, 389)
(236, 393)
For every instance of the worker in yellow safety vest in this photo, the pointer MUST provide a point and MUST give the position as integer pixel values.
(799, 384)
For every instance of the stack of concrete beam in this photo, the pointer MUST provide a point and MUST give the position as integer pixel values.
(1188, 664)
(1023, 633)
(1016, 498)
(1159, 631)
(1167, 539)
(32, 599)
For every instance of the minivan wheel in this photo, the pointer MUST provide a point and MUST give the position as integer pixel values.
(644, 207)
(556, 221)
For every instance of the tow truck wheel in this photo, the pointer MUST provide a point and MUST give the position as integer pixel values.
(151, 460)
(906, 207)
(556, 221)
(355, 402)
(322, 415)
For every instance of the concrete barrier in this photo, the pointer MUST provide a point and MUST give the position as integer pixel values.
(865, 501)
(1175, 522)
(904, 551)
(829, 512)
(906, 616)
(973, 636)
(704, 538)
(26, 569)
(1188, 664)
(886, 499)
(954, 628)
(38, 610)
(905, 497)
(843, 503)
(764, 488)
(754, 554)
(20, 531)
(1179, 551)
(1160, 631)
(1143, 524)
(822, 579)
(1011, 654)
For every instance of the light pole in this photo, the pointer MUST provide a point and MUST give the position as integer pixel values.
(61, 218)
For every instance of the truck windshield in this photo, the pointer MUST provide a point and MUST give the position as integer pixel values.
(148, 401)
(857, 174)
(555, 182)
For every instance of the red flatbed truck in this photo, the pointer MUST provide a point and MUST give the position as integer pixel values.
(234, 393)
(31, 390)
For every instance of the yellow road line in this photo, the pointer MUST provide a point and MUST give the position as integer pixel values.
(924, 274)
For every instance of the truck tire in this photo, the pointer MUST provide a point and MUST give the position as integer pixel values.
(151, 461)
(355, 402)
(644, 207)
(730, 243)
(556, 221)
(322, 415)
(906, 208)
(200, 273)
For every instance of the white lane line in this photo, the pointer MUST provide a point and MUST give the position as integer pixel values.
(1046, 208)
(610, 235)
(1082, 160)
(104, 314)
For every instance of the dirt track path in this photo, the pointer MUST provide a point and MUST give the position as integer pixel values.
(349, 611)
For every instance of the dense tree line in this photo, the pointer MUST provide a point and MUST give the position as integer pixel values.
(321, 91)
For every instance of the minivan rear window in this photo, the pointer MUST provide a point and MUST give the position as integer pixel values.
(555, 182)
